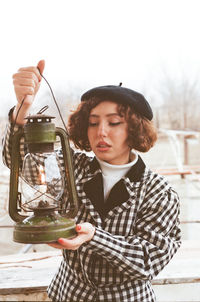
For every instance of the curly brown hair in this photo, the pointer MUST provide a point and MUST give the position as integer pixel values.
(142, 134)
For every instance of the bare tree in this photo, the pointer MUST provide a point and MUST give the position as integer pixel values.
(181, 102)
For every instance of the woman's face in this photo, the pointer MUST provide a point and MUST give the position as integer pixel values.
(107, 134)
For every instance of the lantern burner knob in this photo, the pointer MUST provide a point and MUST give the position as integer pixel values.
(44, 207)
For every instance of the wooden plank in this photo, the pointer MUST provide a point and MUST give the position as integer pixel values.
(27, 273)
(32, 297)
(184, 267)
(189, 292)
(186, 170)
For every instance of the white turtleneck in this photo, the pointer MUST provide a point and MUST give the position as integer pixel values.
(113, 173)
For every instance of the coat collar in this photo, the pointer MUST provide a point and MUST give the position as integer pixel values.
(119, 194)
(134, 174)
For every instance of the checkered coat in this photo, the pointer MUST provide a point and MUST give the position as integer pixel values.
(137, 233)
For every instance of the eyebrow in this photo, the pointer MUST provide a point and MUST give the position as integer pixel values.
(108, 115)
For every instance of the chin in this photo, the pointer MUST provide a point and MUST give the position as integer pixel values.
(104, 157)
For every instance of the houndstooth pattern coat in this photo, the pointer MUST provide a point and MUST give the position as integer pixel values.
(137, 233)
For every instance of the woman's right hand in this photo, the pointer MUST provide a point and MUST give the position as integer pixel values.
(26, 84)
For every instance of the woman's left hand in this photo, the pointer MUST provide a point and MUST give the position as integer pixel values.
(85, 232)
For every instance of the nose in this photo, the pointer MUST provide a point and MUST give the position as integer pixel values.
(102, 130)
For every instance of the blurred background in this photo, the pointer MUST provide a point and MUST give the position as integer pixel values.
(151, 46)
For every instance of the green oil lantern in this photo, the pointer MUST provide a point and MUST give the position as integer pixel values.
(43, 200)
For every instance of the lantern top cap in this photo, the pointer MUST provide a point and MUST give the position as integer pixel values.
(38, 117)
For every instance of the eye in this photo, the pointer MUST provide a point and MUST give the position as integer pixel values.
(114, 124)
(92, 124)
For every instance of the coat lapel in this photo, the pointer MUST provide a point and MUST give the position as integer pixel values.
(93, 189)
(119, 194)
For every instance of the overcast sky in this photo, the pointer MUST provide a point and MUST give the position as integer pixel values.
(88, 43)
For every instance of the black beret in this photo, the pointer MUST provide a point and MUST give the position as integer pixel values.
(121, 95)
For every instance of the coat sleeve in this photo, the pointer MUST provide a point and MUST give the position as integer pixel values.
(7, 142)
(155, 239)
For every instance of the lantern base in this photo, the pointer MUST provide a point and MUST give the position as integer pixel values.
(44, 229)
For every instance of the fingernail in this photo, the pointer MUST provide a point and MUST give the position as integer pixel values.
(60, 240)
(78, 227)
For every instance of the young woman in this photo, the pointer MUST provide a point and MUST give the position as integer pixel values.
(128, 218)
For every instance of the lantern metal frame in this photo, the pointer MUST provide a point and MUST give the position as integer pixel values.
(50, 226)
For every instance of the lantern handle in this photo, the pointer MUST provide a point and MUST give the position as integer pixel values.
(69, 171)
(43, 109)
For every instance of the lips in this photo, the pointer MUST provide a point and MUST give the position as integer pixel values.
(103, 146)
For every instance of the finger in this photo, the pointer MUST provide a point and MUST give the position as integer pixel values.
(41, 65)
(56, 245)
(85, 227)
(71, 244)
(24, 90)
(31, 69)
(20, 76)
(25, 82)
